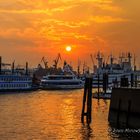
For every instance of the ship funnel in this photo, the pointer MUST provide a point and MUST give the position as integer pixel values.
(26, 68)
(13, 67)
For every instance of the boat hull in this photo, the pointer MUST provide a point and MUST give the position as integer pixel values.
(61, 87)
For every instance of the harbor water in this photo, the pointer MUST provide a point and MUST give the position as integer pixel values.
(52, 115)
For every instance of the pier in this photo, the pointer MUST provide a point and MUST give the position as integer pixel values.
(125, 101)
(125, 107)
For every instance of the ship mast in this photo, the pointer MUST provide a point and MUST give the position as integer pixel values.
(135, 62)
(84, 65)
(92, 62)
(100, 61)
(78, 68)
(57, 60)
(111, 62)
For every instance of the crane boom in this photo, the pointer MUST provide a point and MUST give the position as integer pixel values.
(57, 60)
(45, 62)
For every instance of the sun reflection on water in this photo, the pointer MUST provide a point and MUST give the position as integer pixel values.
(50, 115)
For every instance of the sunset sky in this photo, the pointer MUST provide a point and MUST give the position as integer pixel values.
(31, 29)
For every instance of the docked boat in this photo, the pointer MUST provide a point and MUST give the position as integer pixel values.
(12, 82)
(114, 70)
(64, 79)
(61, 82)
(112, 79)
(15, 80)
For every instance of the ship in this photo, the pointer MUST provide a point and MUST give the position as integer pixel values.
(66, 79)
(61, 82)
(15, 80)
(114, 70)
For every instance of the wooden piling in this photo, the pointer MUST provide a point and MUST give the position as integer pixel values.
(87, 97)
(132, 79)
(128, 113)
(105, 82)
(98, 85)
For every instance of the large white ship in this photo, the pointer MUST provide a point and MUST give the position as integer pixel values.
(114, 70)
(61, 82)
(66, 79)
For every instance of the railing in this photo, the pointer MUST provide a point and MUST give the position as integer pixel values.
(132, 82)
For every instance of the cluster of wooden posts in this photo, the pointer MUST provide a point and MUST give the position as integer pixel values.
(87, 97)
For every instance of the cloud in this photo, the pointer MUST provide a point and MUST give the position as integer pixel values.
(17, 42)
(107, 19)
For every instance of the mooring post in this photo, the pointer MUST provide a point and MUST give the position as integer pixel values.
(89, 101)
(84, 101)
(87, 98)
(118, 113)
(135, 80)
(128, 113)
(105, 82)
(98, 85)
(132, 79)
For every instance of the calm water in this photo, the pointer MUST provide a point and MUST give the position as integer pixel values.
(48, 115)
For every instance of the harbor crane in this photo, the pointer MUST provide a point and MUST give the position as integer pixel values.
(99, 59)
(44, 60)
(85, 68)
(57, 60)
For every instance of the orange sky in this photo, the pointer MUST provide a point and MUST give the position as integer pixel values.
(32, 29)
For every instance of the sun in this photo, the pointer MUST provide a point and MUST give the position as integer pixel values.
(68, 48)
